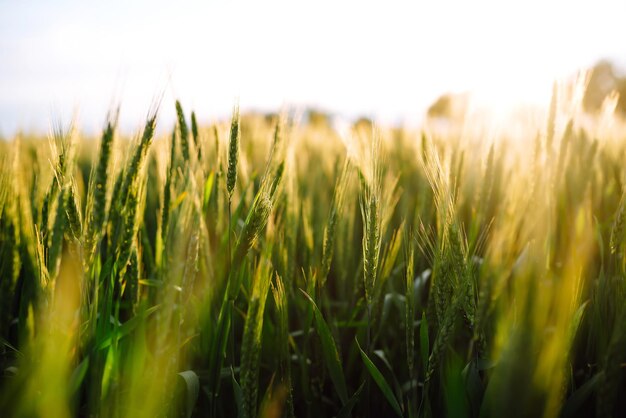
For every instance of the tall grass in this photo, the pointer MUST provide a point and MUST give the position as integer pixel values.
(412, 273)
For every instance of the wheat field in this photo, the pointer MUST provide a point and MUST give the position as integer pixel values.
(276, 267)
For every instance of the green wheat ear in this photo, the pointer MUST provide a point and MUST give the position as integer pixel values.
(233, 152)
(195, 135)
(184, 132)
(333, 219)
(73, 212)
(253, 226)
(371, 245)
(131, 172)
(372, 219)
(98, 189)
(167, 190)
(63, 140)
(125, 200)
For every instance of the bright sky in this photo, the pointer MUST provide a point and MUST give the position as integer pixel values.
(386, 59)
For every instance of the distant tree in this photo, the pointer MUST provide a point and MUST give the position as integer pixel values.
(271, 118)
(451, 106)
(604, 79)
(318, 118)
(363, 123)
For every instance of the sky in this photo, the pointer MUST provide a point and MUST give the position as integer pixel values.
(387, 60)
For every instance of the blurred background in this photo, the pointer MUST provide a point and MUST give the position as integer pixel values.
(389, 61)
